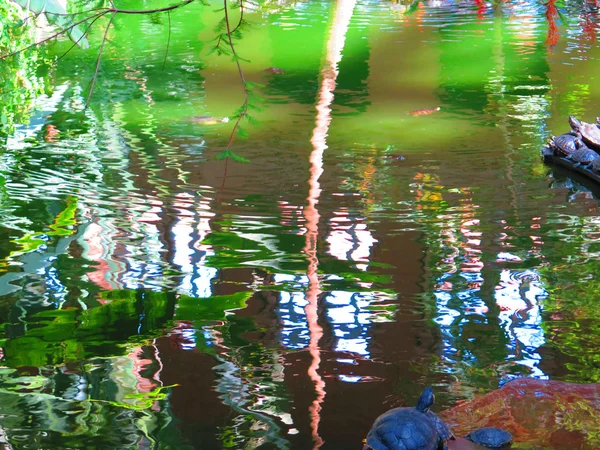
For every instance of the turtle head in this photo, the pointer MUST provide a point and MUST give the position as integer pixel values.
(426, 400)
(574, 122)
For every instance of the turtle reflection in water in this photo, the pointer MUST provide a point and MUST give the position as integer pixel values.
(410, 428)
(209, 120)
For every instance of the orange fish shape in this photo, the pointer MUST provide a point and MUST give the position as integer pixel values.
(424, 112)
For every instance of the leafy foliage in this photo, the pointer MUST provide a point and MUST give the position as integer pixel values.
(210, 309)
(19, 79)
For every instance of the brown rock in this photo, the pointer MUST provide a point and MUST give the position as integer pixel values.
(543, 414)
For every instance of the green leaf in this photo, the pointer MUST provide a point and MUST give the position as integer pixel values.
(211, 308)
(239, 58)
(240, 159)
(563, 17)
(229, 154)
(251, 85)
(412, 8)
(242, 133)
(224, 155)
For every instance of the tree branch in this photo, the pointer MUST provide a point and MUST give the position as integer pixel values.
(101, 12)
(151, 11)
(99, 58)
(237, 61)
(168, 40)
(80, 38)
(237, 27)
(61, 32)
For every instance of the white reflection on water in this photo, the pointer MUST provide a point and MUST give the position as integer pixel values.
(349, 315)
(350, 240)
(517, 294)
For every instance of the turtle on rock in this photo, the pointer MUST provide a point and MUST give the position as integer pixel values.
(491, 437)
(583, 155)
(595, 166)
(590, 133)
(565, 144)
(410, 428)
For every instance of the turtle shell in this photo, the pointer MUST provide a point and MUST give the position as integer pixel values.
(443, 430)
(565, 144)
(584, 155)
(403, 429)
(490, 437)
(590, 133)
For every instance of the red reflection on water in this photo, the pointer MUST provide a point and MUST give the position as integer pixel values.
(480, 8)
(146, 370)
(551, 15)
(329, 73)
(102, 249)
(589, 26)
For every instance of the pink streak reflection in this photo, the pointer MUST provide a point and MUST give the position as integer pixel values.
(337, 37)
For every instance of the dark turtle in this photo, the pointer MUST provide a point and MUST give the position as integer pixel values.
(490, 437)
(425, 402)
(565, 144)
(583, 155)
(590, 133)
(595, 166)
(409, 428)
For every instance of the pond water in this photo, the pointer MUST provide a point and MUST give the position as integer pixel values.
(156, 297)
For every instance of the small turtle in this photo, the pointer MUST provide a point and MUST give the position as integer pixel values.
(565, 144)
(590, 133)
(409, 428)
(208, 120)
(583, 155)
(490, 437)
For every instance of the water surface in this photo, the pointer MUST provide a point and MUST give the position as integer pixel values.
(154, 296)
